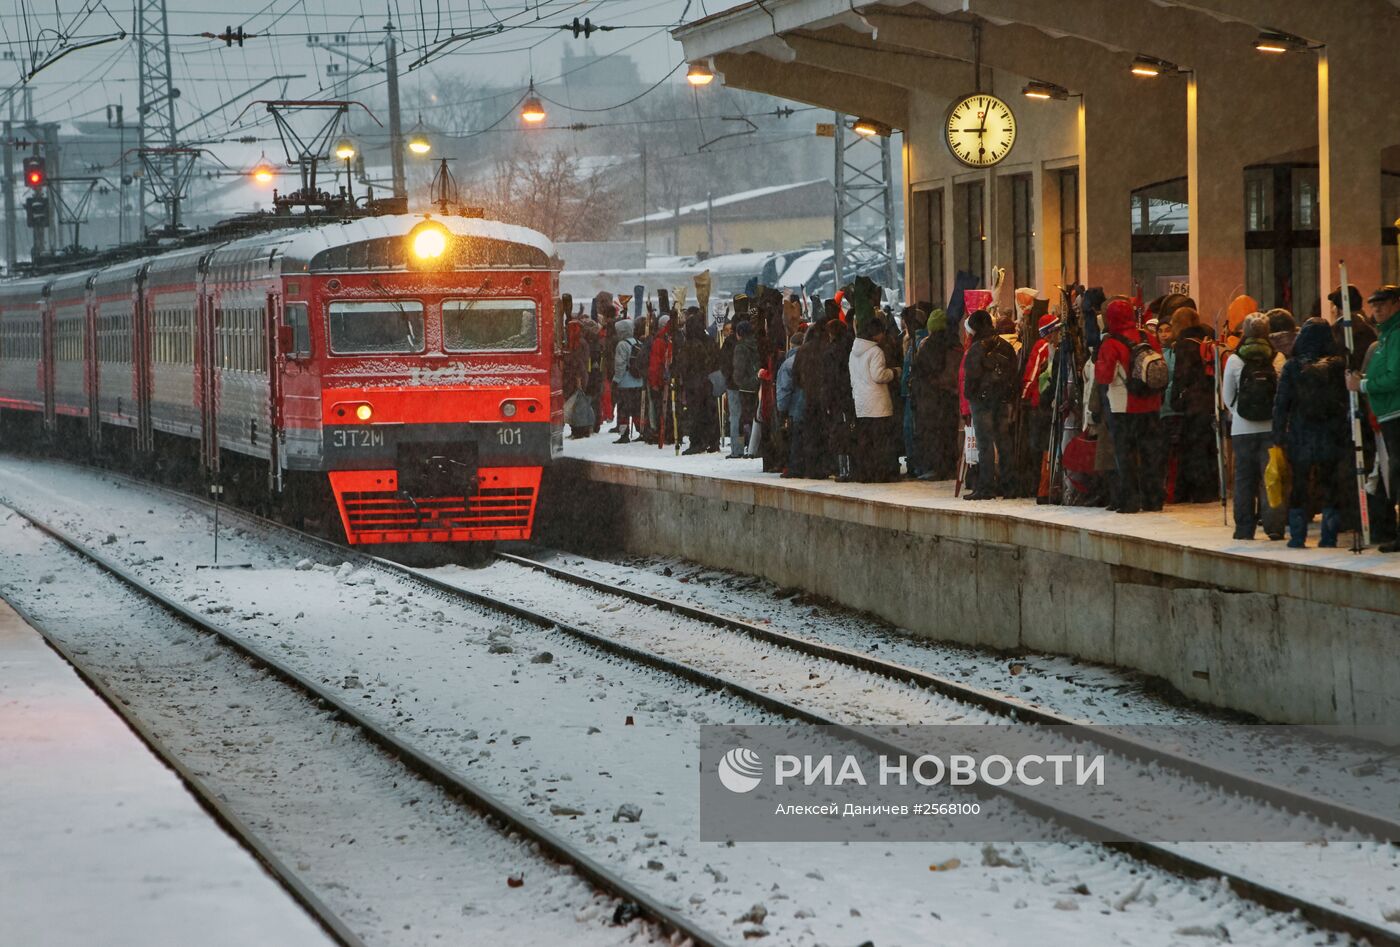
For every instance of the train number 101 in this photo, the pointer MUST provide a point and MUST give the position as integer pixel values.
(510, 436)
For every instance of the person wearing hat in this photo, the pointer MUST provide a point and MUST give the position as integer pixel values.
(933, 387)
(1132, 417)
(1035, 391)
(1381, 383)
(1362, 334)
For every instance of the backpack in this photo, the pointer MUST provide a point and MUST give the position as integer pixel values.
(635, 365)
(1254, 398)
(998, 369)
(1147, 369)
(1319, 397)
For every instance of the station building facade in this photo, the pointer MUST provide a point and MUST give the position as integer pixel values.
(1225, 146)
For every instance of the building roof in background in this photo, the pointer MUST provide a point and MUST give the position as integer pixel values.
(815, 190)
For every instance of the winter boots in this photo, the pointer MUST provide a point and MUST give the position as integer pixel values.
(1331, 524)
(1297, 528)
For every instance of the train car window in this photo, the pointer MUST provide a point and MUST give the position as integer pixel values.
(490, 325)
(299, 319)
(381, 327)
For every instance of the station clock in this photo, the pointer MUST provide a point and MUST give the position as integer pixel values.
(980, 130)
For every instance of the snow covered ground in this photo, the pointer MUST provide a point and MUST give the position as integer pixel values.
(1196, 525)
(100, 843)
(573, 735)
(400, 862)
(1359, 775)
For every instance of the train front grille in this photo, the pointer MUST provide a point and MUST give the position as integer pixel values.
(490, 507)
(378, 506)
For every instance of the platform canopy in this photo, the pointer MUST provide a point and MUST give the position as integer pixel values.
(1221, 106)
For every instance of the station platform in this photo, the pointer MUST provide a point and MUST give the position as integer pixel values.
(1290, 635)
(100, 842)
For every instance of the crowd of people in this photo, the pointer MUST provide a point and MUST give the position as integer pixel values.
(1106, 401)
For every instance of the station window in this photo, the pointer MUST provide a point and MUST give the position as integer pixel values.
(1160, 228)
(970, 232)
(489, 325)
(1023, 230)
(380, 327)
(927, 219)
(1069, 223)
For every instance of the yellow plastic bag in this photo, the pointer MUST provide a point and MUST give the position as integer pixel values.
(1278, 478)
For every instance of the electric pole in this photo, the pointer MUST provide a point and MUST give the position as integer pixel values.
(157, 141)
(391, 61)
(11, 251)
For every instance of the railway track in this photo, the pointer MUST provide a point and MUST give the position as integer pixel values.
(1002, 705)
(299, 890)
(1322, 916)
(633, 901)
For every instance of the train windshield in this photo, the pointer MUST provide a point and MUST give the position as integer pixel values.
(387, 326)
(489, 325)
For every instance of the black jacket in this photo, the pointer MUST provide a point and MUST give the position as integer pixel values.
(1193, 391)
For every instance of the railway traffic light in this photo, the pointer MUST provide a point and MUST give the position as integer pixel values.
(34, 174)
(36, 211)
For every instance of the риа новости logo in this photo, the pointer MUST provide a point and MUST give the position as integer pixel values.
(740, 769)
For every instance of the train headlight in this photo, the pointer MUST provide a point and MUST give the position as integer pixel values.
(508, 409)
(364, 412)
(428, 242)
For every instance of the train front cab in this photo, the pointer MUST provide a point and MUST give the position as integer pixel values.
(437, 395)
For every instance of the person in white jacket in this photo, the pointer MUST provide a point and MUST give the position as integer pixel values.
(1251, 426)
(875, 459)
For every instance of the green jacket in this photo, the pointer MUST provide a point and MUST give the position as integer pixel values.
(1382, 385)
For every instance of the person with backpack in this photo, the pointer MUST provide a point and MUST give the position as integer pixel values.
(989, 379)
(1131, 376)
(1193, 397)
(628, 370)
(1310, 423)
(1248, 386)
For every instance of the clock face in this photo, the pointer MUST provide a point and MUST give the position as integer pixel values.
(980, 130)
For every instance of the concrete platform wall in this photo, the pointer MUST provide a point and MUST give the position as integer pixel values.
(1283, 658)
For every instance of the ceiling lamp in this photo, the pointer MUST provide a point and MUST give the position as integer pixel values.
(699, 74)
(871, 128)
(1149, 67)
(532, 110)
(1273, 41)
(1035, 89)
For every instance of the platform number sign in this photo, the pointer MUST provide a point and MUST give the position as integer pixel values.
(980, 130)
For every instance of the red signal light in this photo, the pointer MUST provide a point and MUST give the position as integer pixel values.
(34, 176)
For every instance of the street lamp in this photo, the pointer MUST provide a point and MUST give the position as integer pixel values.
(345, 151)
(699, 74)
(870, 128)
(418, 142)
(532, 110)
(263, 172)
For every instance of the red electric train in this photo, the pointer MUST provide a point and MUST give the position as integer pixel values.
(397, 374)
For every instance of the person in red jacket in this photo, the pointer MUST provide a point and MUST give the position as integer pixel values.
(1133, 419)
(658, 371)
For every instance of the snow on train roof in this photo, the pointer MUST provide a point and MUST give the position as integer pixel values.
(302, 245)
(295, 246)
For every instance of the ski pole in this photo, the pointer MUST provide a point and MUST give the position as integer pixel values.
(1362, 538)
